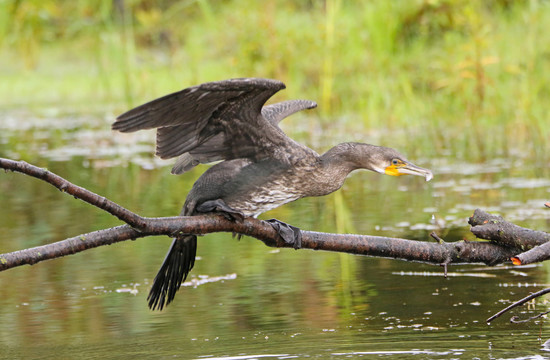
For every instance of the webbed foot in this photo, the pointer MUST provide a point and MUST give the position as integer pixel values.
(219, 206)
(290, 234)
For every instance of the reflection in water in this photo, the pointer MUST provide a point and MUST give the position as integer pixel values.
(252, 301)
(442, 274)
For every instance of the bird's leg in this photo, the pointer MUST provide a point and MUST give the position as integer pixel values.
(221, 207)
(290, 234)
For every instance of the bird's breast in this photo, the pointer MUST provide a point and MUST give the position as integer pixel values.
(267, 199)
(264, 190)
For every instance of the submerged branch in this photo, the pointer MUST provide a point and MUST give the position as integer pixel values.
(519, 303)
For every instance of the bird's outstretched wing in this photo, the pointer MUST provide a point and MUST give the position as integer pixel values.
(276, 112)
(214, 149)
(214, 121)
(196, 104)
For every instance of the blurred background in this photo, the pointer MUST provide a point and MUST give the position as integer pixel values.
(459, 86)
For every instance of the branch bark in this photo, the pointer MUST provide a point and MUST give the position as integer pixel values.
(496, 229)
(78, 192)
(536, 254)
(428, 252)
(531, 245)
(395, 248)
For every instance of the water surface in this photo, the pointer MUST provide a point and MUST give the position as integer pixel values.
(245, 300)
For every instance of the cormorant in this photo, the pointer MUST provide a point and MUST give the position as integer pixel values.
(262, 167)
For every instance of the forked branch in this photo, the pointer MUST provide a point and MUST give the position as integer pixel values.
(531, 245)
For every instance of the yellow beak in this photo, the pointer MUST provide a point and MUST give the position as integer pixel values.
(407, 168)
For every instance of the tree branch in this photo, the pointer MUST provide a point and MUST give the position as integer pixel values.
(519, 303)
(533, 246)
(496, 229)
(428, 252)
(534, 255)
(78, 192)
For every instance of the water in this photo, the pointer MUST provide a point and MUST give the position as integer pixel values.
(245, 300)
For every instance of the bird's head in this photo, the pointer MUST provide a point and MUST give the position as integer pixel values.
(390, 162)
(352, 156)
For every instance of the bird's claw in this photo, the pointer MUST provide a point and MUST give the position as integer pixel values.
(290, 234)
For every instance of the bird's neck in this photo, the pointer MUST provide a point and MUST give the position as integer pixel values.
(350, 156)
(338, 162)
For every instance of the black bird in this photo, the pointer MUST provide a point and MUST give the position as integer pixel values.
(262, 167)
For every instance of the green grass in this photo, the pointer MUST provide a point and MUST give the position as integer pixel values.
(466, 78)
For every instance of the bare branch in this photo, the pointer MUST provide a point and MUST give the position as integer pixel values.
(533, 246)
(534, 255)
(78, 192)
(395, 248)
(435, 253)
(156, 226)
(496, 229)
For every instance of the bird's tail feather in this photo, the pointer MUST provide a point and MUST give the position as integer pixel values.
(173, 271)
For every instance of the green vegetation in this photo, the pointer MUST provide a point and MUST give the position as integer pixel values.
(460, 86)
(461, 77)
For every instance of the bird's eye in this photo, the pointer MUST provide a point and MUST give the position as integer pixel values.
(395, 162)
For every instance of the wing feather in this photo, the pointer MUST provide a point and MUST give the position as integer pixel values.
(276, 112)
(196, 104)
(214, 121)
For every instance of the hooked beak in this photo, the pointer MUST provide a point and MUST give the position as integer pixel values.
(407, 168)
